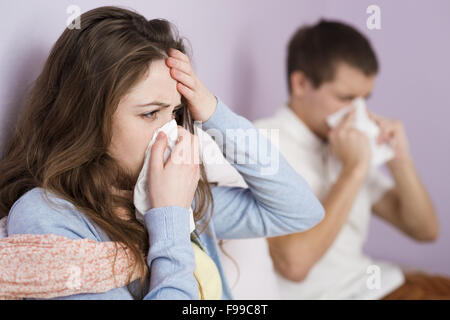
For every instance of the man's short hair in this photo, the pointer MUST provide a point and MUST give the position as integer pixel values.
(316, 50)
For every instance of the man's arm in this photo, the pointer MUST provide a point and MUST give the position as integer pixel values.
(407, 206)
(294, 255)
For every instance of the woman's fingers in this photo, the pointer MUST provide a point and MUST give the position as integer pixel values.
(185, 91)
(182, 133)
(157, 154)
(178, 54)
(201, 102)
(175, 185)
(187, 80)
(180, 65)
(181, 70)
(182, 151)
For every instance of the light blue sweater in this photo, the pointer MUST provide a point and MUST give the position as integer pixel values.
(272, 205)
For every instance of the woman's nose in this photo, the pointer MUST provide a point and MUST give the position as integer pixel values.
(167, 117)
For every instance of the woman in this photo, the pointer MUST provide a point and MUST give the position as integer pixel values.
(79, 147)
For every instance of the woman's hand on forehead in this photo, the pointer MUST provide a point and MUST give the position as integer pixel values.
(201, 102)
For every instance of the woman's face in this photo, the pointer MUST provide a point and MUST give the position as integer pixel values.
(147, 106)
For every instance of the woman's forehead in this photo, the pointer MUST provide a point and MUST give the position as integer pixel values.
(156, 85)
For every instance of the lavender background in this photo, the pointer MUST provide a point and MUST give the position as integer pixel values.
(239, 52)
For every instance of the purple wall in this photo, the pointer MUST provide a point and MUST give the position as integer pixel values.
(239, 52)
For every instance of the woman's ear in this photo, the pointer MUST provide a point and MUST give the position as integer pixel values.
(299, 83)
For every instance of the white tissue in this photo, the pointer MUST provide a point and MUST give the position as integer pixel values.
(380, 153)
(141, 199)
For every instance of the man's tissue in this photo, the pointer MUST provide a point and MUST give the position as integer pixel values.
(380, 153)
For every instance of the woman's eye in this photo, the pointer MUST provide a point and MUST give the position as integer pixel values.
(151, 115)
(154, 114)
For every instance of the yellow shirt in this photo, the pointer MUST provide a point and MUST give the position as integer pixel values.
(207, 275)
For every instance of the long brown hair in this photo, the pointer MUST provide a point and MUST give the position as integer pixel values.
(61, 139)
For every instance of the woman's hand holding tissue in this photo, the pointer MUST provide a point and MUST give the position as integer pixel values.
(351, 146)
(393, 132)
(201, 102)
(174, 183)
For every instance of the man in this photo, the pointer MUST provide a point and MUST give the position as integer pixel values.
(330, 64)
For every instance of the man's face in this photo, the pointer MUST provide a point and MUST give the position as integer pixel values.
(348, 84)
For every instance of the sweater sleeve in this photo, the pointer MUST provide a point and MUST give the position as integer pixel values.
(277, 201)
(30, 215)
(171, 259)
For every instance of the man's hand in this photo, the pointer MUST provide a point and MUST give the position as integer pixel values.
(393, 132)
(350, 145)
(201, 102)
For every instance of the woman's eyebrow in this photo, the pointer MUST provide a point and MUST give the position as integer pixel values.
(154, 103)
